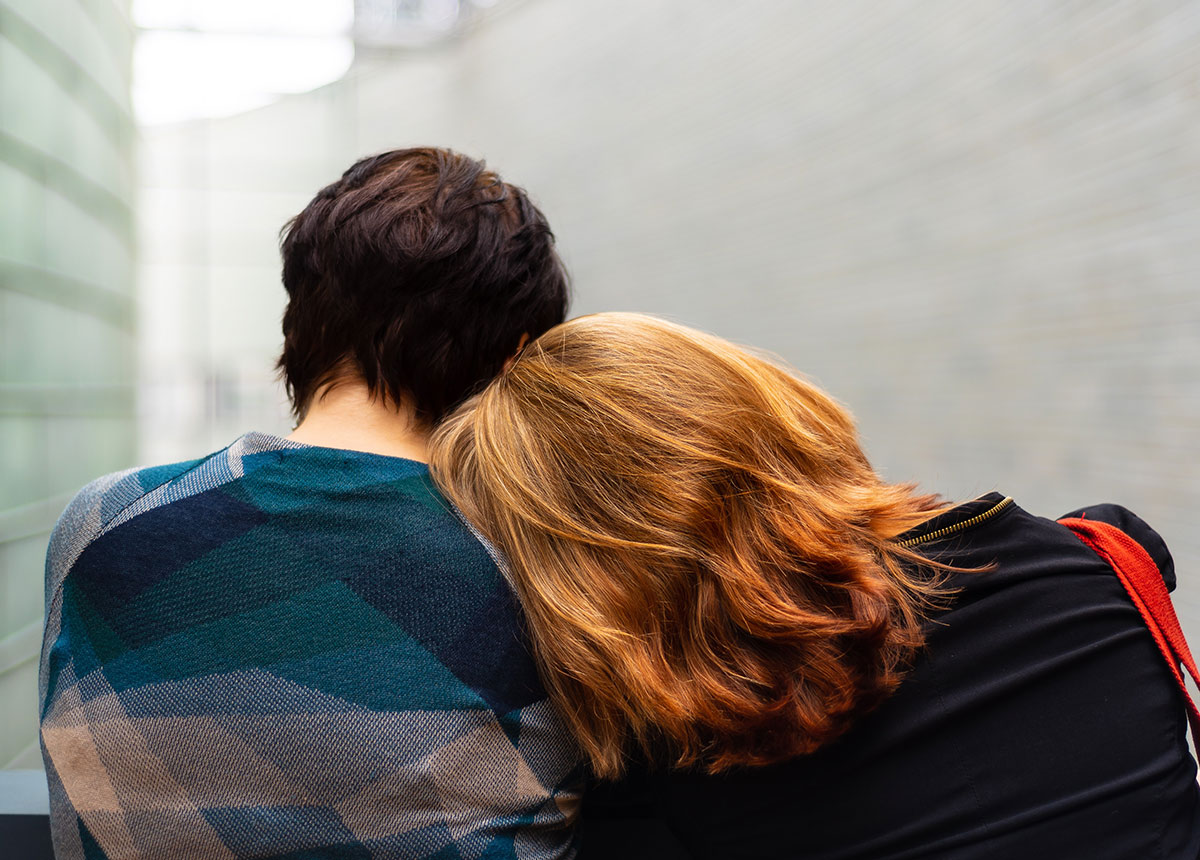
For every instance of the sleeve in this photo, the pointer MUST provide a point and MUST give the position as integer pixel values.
(93, 509)
(82, 521)
(1134, 526)
(77, 527)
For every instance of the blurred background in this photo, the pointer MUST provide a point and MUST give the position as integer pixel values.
(977, 222)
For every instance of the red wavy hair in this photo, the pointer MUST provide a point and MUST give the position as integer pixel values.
(703, 551)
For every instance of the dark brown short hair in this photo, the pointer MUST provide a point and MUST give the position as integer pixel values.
(419, 270)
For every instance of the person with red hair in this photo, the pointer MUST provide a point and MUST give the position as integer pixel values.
(789, 655)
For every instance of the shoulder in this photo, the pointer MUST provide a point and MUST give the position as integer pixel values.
(1134, 526)
(96, 506)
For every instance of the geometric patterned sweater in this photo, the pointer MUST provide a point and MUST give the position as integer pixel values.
(285, 651)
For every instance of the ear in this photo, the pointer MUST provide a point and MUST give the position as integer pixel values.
(512, 359)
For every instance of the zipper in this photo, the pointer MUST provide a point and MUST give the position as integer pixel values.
(958, 527)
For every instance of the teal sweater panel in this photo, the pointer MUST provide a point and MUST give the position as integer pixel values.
(283, 651)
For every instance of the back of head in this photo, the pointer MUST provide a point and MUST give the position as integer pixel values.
(701, 546)
(418, 271)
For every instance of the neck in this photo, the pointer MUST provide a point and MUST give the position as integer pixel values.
(347, 416)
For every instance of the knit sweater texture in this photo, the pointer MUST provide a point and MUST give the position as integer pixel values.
(284, 651)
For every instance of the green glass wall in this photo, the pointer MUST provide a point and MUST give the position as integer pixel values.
(66, 302)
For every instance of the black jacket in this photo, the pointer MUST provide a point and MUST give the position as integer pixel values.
(1040, 721)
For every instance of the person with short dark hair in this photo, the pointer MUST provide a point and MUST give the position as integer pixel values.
(418, 273)
(293, 647)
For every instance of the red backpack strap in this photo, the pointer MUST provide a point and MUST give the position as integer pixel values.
(1143, 580)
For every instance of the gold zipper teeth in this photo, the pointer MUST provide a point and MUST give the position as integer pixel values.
(957, 527)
